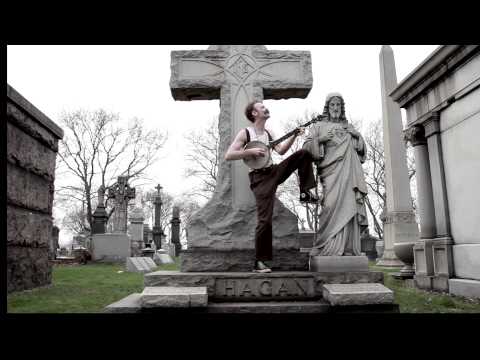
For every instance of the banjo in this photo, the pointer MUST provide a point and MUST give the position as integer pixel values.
(258, 162)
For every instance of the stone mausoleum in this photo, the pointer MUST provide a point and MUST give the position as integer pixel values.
(442, 101)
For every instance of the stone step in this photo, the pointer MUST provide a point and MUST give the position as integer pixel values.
(249, 286)
(129, 304)
(173, 297)
(271, 307)
(357, 294)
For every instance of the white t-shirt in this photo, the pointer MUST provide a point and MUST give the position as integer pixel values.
(263, 138)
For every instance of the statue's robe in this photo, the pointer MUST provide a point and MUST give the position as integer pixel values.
(343, 213)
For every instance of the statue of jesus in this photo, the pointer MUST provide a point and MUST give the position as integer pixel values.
(340, 151)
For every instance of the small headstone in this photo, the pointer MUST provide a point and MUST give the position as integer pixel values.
(357, 294)
(161, 257)
(140, 264)
(148, 252)
(169, 296)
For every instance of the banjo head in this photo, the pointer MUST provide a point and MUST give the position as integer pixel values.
(257, 162)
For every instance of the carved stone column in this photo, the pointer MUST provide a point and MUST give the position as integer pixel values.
(442, 243)
(422, 250)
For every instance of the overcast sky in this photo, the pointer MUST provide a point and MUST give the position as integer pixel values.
(134, 82)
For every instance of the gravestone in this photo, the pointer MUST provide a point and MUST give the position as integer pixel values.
(140, 264)
(32, 146)
(136, 231)
(400, 228)
(121, 193)
(54, 242)
(157, 231)
(175, 230)
(100, 216)
(115, 246)
(236, 74)
(162, 257)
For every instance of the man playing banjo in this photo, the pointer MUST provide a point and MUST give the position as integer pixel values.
(264, 181)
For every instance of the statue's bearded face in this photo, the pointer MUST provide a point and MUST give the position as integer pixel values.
(335, 108)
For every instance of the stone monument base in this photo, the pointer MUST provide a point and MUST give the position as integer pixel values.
(338, 263)
(110, 247)
(252, 293)
(194, 260)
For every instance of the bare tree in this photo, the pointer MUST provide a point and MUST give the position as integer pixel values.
(375, 174)
(96, 149)
(203, 159)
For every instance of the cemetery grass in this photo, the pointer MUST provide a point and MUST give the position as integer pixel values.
(413, 300)
(80, 289)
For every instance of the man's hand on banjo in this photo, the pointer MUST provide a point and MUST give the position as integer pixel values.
(255, 152)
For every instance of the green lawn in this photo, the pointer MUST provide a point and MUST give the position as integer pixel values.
(80, 289)
(413, 300)
(89, 288)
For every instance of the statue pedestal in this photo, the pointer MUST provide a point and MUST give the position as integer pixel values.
(338, 263)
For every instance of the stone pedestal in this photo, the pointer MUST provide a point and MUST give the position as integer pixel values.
(338, 263)
(248, 293)
(110, 247)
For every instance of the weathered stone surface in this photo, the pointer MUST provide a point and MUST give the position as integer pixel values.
(28, 190)
(160, 296)
(424, 282)
(110, 247)
(22, 120)
(466, 260)
(240, 260)
(27, 267)
(464, 287)
(357, 294)
(162, 258)
(249, 286)
(284, 307)
(220, 226)
(27, 228)
(129, 304)
(32, 141)
(140, 264)
(232, 73)
(31, 155)
(338, 263)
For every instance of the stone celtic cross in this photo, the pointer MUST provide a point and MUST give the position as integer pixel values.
(121, 193)
(237, 74)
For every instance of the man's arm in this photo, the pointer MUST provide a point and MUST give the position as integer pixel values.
(236, 151)
(283, 147)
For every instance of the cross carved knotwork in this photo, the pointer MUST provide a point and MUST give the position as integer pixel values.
(237, 74)
(121, 193)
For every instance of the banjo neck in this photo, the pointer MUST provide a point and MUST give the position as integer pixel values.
(271, 144)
